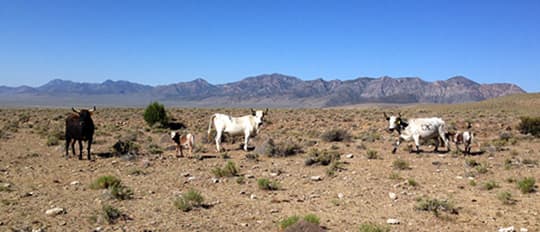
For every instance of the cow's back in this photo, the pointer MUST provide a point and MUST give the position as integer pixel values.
(73, 127)
(426, 127)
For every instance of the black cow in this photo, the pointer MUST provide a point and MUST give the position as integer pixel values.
(79, 127)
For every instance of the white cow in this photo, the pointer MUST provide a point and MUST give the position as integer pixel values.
(418, 129)
(248, 125)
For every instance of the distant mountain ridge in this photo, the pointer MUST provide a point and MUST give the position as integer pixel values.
(273, 90)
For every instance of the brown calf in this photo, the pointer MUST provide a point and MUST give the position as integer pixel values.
(183, 141)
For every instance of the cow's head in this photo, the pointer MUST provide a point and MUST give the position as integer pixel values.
(84, 115)
(259, 117)
(394, 122)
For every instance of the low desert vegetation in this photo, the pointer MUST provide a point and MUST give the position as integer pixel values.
(401, 164)
(526, 185)
(155, 115)
(229, 170)
(530, 125)
(291, 220)
(189, 200)
(336, 135)
(323, 157)
(435, 206)
(506, 198)
(372, 227)
(111, 214)
(114, 186)
(266, 184)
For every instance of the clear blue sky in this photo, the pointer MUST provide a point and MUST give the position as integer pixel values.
(162, 42)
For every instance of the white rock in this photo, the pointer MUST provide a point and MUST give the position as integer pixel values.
(253, 197)
(54, 211)
(392, 221)
(274, 211)
(6, 185)
(459, 177)
(523, 230)
(244, 224)
(215, 180)
(392, 195)
(507, 229)
(249, 176)
(350, 156)
(98, 229)
(340, 195)
(470, 178)
(316, 178)
(76, 182)
(191, 178)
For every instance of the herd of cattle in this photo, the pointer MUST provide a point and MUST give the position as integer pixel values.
(80, 127)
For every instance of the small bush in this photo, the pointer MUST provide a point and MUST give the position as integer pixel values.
(52, 140)
(371, 227)
(312, 218)
(506, 198)
(323, 157)
(526, 185)
(372, 154)
(283, 149)
(155, 113)
(189, 200)
(288, 221)
(229, 170)
(490, 185)
(154, 149)
(435, 206)
(333, 167)
(471, 162)
(394, 176)
(111, 214)
(104, 182)
(266, 184)
(482, 169)
(336, 135)
(530, 125)
(400, 164)
(122, 147)
(412, 182)
(121, 192)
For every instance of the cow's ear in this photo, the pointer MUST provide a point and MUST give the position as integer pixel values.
(92, 110)
(386, 116)
(252, 112)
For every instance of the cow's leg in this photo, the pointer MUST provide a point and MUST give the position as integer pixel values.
(89, 147)
(80, 149)
(442, 132)
(218, 140)
(246, 140)
(181, 151)
(73, 141)
(437, 142)
(417, 143)
(68, 140)
(396, 145)
(190, 149)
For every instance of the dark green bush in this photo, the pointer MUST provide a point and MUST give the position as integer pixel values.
(530, 125)
(155, 113)
(189, 200)
(371, 227)
(111, 214)
(435, 206)
(526, 185)
(266, 184)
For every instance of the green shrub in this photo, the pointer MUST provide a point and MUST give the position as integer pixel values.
(155, 113)
(283, 149)
(371, 227)
(394, 176)
(120, 192)
(435, 206)
(288, 221)
(471, 162)
(323, 157)
(526, 185)
(189, 200)
(266, 184)
(155, 149)
(372, 154)
(333, 167)
(312, 218)
(482, 168)
(111, 214)
(412, 182)
(336, 135)
(530, 125)
(490, 185)
(104, 182)
(229, 170)
(400, 164)
(52, 140)
(506, 198)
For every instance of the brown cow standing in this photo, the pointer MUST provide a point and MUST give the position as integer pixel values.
(79, 127)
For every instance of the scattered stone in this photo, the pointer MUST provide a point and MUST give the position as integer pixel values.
(98, 229)
(507, 229)
(459, 177)
(523, 230)
(146, 163)
(316, 178)
(253, 197)
(392, 195)
(470, 178)
(76, 182)
(340, 195)
(191, 178)
(274, 174)
(215, 180)
(27, 194)
(274, 211)
(55, 211)
(244, 224)
(349, 156)
(249, 176)
(392, 221)
(6, 185)
(185, 174)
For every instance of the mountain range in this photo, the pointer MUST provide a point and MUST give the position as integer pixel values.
(272, 90)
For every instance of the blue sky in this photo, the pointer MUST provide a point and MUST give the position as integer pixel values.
(162, 42)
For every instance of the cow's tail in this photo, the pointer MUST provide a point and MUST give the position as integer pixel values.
(210, 126)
